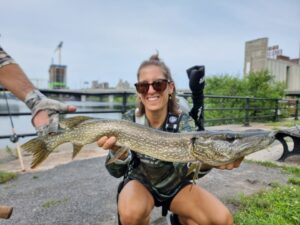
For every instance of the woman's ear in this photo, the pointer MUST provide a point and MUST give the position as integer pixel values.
(171, 88)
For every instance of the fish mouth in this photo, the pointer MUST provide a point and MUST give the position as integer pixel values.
(256, 142)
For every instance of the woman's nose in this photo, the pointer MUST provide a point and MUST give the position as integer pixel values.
(151, 89)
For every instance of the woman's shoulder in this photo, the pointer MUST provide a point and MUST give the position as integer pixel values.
(129, 115)
(186, 123)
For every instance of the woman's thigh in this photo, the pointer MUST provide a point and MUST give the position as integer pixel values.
(197, 204)
(135, 198)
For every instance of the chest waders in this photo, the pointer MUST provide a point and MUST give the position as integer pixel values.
(170, 125)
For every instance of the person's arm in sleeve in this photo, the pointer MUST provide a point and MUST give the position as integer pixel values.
(44, 110)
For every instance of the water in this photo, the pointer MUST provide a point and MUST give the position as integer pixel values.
(23, 124)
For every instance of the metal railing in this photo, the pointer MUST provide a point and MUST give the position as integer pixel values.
(217, 109)
(239, 109)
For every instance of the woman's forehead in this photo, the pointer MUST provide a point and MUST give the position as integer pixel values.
(150, 72)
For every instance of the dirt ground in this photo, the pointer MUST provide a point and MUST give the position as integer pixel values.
(82, 192)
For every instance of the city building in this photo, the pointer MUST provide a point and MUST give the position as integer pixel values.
(260, 56)
(122, 84)
(97, 85)
(57, 76)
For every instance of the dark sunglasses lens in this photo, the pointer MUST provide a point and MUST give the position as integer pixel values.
(142, 88)
(160, 85)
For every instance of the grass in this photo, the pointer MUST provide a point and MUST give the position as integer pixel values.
(283, 123)
(51, 203)
(288, 169)
(280, 205)
(6, 176)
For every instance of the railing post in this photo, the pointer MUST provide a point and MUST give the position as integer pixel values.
(296, 110)
(247, 108)
(276, 110)
(124, 104)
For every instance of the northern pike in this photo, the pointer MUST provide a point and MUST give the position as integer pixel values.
(210, 147)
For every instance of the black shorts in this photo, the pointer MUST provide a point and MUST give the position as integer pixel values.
(158, 200)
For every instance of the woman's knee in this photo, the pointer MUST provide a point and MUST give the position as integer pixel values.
(135, 203)
(131, 216)
(224, 218)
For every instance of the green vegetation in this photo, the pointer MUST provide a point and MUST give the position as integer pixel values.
(256, 85)
(278, 206)
(6, 176)
(289, 169)
(35, 177)
(285, 123)
(259, 85)
(51, 203)
(268, 164)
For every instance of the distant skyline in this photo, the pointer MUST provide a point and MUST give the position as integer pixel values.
(107, 40)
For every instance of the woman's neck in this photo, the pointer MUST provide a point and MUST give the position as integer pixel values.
(156, 119)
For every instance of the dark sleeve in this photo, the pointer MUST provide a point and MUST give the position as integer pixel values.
(5, 59)
(114, 169)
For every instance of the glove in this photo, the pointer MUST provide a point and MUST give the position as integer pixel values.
(37, 102)
(196, 77)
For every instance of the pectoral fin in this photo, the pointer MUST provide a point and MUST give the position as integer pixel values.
(194, 169)
(76, 149)
(119, 153)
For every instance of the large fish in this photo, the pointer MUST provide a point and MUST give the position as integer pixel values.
(210, 147)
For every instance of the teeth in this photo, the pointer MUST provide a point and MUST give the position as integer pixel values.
(153, 98)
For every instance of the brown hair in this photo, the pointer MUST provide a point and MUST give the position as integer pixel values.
(154, 60)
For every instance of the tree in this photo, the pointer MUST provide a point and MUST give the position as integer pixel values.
(259, 85)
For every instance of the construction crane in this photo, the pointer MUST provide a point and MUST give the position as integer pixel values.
(58, 49)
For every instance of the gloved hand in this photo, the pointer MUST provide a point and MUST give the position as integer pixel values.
(196, 77)
(38, 104)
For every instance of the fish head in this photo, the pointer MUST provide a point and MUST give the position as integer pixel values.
(219, 148)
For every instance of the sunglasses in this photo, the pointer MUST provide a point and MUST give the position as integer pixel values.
(158, 85)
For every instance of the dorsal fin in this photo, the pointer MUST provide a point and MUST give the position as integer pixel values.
(71, 122)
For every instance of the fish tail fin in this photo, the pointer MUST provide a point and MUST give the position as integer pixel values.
(38, 148)
(76, 149)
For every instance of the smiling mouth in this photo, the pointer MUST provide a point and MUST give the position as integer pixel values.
(152, 98)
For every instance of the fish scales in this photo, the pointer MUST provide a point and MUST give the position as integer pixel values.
(210, 147)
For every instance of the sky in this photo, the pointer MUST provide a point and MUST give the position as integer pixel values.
(107, 40)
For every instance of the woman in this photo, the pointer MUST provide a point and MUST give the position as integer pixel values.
(150, 182)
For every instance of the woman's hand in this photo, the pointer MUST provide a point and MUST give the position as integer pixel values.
(232, 165)
(107, 143)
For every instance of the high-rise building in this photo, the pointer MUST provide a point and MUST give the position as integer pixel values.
(259, 56)
(57, 76)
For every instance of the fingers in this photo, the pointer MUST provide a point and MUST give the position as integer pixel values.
(107, 142)
(45, 115)
(40, 119)
(232, 165)
(45, 123)
(71, 108)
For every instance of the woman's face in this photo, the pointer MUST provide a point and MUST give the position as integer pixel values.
(153, 100)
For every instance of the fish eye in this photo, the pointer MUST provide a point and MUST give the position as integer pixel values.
(230, 138)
